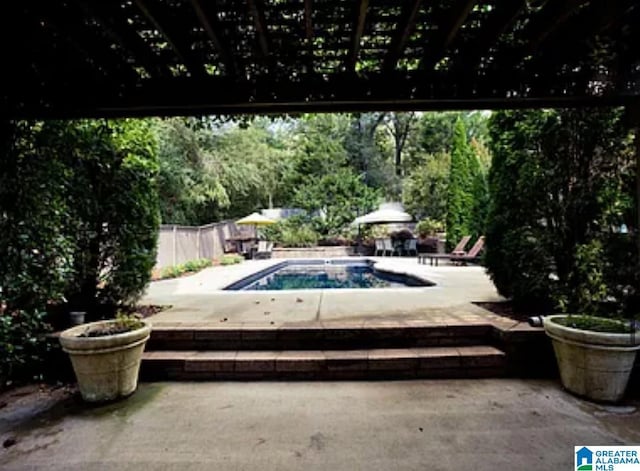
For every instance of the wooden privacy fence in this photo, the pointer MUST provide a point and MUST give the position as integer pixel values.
(179, 244)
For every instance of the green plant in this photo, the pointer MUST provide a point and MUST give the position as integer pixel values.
(23, 345)
(123, 322)
(302, 236)
(467, 190)
(428, 227)
(231, 259)
(556, 190)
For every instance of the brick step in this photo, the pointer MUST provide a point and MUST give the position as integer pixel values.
(400, 363)
(317, 336)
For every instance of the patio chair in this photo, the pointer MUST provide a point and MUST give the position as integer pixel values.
(410, 245)
(388, 246)
(473, 255)
(264, 249)
(379, 247)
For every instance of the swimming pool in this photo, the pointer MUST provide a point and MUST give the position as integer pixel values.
(324, 274)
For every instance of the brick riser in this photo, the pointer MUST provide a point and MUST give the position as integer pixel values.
(318, 338)
(433, 362)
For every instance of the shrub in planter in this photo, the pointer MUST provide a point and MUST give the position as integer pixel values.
(595, 354)
(106, 356)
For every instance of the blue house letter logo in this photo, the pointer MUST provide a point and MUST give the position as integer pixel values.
(584, 458)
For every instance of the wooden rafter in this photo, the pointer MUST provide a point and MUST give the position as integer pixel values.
(83, 58)
(308, 27)
(358, 29)
(68, 25)
(495, 25)
(338, 93)
(160, 23)
(447, 33)
(569, 44)
(556, 14)
(257, 12)
(208, 23)
(121, 33)
(405, 27)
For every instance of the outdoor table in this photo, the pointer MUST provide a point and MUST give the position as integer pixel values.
(432, 257)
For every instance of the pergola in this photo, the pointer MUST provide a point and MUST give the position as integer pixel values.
(98, 58)
(102, 58)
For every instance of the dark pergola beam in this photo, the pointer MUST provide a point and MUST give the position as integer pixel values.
(358, 29)
(257, 12)
(70, 27)
(340, 93)
(121, 33)
(570, 44)
(161, 24)
(406, 25)
(498, 22)
(557, 13)
(208, 24)
(437, 47)
(308, 27)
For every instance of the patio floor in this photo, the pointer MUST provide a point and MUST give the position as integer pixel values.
(199, 298)
(405, 425)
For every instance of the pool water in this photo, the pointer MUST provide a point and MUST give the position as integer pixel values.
(292, 276)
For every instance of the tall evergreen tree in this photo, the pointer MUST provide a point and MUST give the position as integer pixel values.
(459, 198)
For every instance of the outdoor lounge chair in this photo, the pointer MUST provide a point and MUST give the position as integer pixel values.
(264, 249)
(379, 247)
(458, 251)
(473, 255)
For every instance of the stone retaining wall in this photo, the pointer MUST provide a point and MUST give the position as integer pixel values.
(313, 252)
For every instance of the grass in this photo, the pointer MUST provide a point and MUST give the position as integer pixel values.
(595, 324)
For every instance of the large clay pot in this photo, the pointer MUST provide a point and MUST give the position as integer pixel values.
(595, 365)
(106, 367)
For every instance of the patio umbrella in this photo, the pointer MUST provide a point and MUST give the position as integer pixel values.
(255, 220)
(386, 213)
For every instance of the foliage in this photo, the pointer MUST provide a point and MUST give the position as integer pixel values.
(425, 188)
(436, 130)
(586, 280)
(23, 345)
(366, 150)
(557, 189)
(231, 259)
(210, 172)
(34, 249)
(113, 204)
(124, 322)
(293, 232)
(427, 227)
(459, 198)
(190, 266)
(78, 221)
(596, 324)
(336, 199)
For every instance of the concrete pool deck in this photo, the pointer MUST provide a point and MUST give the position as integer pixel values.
(400, 425)
(199, 298)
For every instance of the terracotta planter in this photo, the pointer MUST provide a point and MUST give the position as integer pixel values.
(595, 365)
(106, 367)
